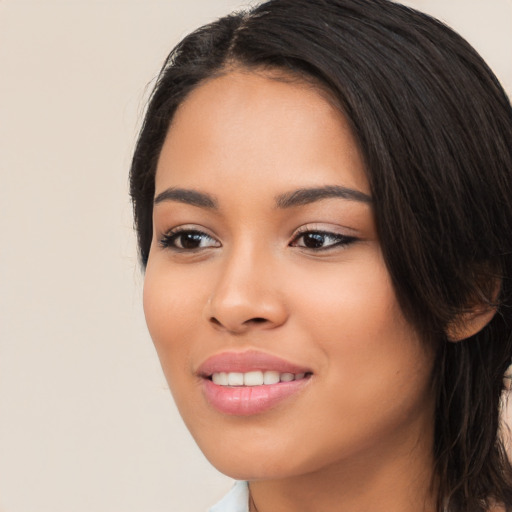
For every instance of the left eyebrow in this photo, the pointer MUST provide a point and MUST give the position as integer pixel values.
(304, 196)
(187, 196)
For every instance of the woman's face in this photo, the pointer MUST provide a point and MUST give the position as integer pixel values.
(266, 293)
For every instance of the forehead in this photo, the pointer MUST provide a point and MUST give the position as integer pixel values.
(260, 123)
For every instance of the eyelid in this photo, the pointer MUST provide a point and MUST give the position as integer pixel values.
(328, 229)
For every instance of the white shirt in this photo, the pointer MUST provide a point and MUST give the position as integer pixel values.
(237, 499)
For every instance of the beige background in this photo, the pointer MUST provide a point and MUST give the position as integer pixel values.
(86, 421)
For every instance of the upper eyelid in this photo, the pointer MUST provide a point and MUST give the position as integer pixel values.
(190, 228)
(327, 230)
(186, 228)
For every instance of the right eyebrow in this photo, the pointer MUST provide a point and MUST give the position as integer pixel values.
(304, 196)
(187, 196)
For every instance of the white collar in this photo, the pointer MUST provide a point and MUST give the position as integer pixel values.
(237, 499)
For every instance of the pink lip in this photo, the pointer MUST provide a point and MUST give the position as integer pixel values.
(249, 400)
(248, 361)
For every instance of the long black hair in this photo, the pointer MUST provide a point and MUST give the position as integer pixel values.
(434, 127)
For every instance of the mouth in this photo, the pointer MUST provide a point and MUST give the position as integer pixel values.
(251, 382)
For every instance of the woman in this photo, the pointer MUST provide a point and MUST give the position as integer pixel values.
(322, 194)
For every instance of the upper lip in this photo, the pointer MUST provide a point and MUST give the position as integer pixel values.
(251, 360)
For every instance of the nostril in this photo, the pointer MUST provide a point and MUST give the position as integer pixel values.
(257, 320)
(235, 320)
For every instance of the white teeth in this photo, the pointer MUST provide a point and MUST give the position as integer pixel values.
(254, 378)
(220, 378)
(270, 377)
(235, 379)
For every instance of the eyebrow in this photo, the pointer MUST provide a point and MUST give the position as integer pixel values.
(304, 196)
(187, 196)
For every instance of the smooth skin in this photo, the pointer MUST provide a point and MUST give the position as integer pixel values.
(242, 270)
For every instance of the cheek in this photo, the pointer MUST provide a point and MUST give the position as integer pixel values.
(173, 305)
(354, 302)
(354, 318)
(376, 370)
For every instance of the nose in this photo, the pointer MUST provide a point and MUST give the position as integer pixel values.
(247, 295)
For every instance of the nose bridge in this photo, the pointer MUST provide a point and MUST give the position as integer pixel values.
(246, 292)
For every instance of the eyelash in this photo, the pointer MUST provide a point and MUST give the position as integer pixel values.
(315, 234)
(170, 239)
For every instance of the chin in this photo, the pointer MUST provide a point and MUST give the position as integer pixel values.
(253, 463)
(246, 462)
(252, 470)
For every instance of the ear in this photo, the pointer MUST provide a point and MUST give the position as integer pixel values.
(470, 323)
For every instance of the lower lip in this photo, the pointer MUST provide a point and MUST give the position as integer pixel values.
(248, 400)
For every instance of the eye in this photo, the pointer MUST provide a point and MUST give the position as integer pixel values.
(187, 240)
(321, 240)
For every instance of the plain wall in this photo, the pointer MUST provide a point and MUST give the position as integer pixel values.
(86, 420)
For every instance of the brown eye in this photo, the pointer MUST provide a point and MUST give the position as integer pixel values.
(188, 240)
(313, 240)
(319, 240)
